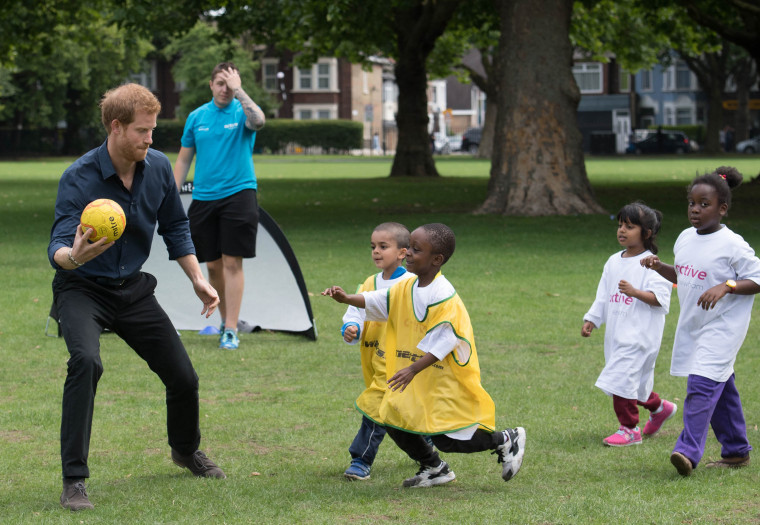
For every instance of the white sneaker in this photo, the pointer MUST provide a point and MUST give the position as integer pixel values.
(511, 452)
(429, 476)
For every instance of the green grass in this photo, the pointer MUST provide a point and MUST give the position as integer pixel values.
(278, 414)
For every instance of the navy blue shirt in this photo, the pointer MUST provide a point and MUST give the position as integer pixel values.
(154, 199)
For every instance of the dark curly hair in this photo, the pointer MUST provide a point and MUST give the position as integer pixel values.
(723, 179)
(441, 238)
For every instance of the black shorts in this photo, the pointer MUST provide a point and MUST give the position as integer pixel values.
(226, 226)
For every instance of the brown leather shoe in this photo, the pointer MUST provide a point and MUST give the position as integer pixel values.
(198, 464)
(74, 495)
(681, 463)
(734, 462)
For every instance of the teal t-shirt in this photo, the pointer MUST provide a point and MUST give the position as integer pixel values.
(223, 150)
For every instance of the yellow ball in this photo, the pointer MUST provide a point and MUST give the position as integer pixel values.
(106, 218)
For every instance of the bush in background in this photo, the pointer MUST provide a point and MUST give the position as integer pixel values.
(167, 135)
(331, 135)
(693, 131)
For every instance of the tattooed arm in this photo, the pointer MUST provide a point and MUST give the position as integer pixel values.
(254, 115)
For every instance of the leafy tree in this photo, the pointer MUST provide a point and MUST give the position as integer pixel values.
(737, 21)
(537, 166)
(475, 25)
(405, 30)
(198, 51)
(61, 77)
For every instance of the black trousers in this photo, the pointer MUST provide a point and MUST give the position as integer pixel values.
(420, 451)
(131, 311)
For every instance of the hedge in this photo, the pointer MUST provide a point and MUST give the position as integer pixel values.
(330, 135)
(277, 134)
(695, 132)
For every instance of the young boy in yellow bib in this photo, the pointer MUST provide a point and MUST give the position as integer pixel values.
(434, 386)
(389, 242)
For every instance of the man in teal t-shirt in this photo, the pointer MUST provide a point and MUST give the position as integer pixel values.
(224, 213)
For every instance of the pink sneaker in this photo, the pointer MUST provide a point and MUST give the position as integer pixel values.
(656, 420)
(623, 437)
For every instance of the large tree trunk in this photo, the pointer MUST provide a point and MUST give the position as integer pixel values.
(537, 166)
(418, 26)
(711, 71)
(744, 76)
(714, 94)
(488, 83)
(485, 148)
(414, 155)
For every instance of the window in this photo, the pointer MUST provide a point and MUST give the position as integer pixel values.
(315, 111)
(269, 75)
(677, 78)
(646, 80)
(588, 76)
(322, 76)
(304, 78)
(683, 76)
(625, 81)
(146, 77)
(684, 116)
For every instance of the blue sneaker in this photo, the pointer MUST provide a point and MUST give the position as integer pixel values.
(358, 470)
(229, 340)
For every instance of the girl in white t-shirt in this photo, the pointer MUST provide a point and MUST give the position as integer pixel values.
(632, 302)
(717, 274)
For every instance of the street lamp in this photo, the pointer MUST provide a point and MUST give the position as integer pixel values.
(281, 77)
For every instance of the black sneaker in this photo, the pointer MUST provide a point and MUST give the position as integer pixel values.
(74, 495)
(429, 476)
(511, 452)
(198, 464)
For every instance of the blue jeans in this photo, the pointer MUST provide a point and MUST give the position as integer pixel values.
(367, 441)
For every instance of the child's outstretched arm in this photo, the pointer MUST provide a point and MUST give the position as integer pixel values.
(654, 263)
(644, 296)
(404, 376)
(337, 293)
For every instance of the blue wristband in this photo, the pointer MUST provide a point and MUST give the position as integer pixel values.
(351, 323)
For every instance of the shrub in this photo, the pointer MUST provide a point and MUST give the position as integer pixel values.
(331, 135)
(693, 131)
(167, 135)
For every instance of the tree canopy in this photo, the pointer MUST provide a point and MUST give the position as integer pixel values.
(197, 52)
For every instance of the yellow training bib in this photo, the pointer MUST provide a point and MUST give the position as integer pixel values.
(447, 396)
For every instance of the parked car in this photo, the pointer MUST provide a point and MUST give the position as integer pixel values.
(441, 144)
(749, 146)
(670, 142)
(455, 142)
(471, 140)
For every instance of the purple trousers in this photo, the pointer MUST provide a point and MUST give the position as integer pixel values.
(709, 403)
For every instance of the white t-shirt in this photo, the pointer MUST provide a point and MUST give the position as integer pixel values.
(634, 328)
(356, 315)
(707, 341)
